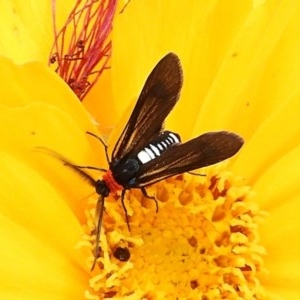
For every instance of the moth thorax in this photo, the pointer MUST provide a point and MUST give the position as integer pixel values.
(110, 183)
(157, 146)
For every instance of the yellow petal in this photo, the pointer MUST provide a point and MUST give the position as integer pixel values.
(275, 137)
(235, 99)
(27, 28)
(280, 234)
(39, 234)
(42, 206)
(34, 82)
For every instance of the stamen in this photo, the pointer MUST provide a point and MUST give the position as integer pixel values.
(82, 48)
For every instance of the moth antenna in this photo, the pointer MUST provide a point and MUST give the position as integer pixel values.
(88, 178)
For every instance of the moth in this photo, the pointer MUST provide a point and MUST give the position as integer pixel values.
(145, 153)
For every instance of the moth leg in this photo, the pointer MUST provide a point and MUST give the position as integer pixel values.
(102, 142)
(144, 191)
(124, 207)
(196, 174)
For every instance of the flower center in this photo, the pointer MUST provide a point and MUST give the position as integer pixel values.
(202, 243)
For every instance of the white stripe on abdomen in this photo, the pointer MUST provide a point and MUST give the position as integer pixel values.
(157, 146)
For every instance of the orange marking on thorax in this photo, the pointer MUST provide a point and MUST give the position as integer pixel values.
(111, 182)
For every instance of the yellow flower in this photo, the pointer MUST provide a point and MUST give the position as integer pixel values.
(241, 65)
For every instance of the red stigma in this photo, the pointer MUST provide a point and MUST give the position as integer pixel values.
(111, 182)
(82, 48)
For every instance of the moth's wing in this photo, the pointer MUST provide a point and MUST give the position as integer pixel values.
(205, 150)
(159, 95)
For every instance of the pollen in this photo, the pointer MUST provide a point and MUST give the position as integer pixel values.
(203, 242)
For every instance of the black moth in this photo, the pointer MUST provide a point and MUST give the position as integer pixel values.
(145, 153)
